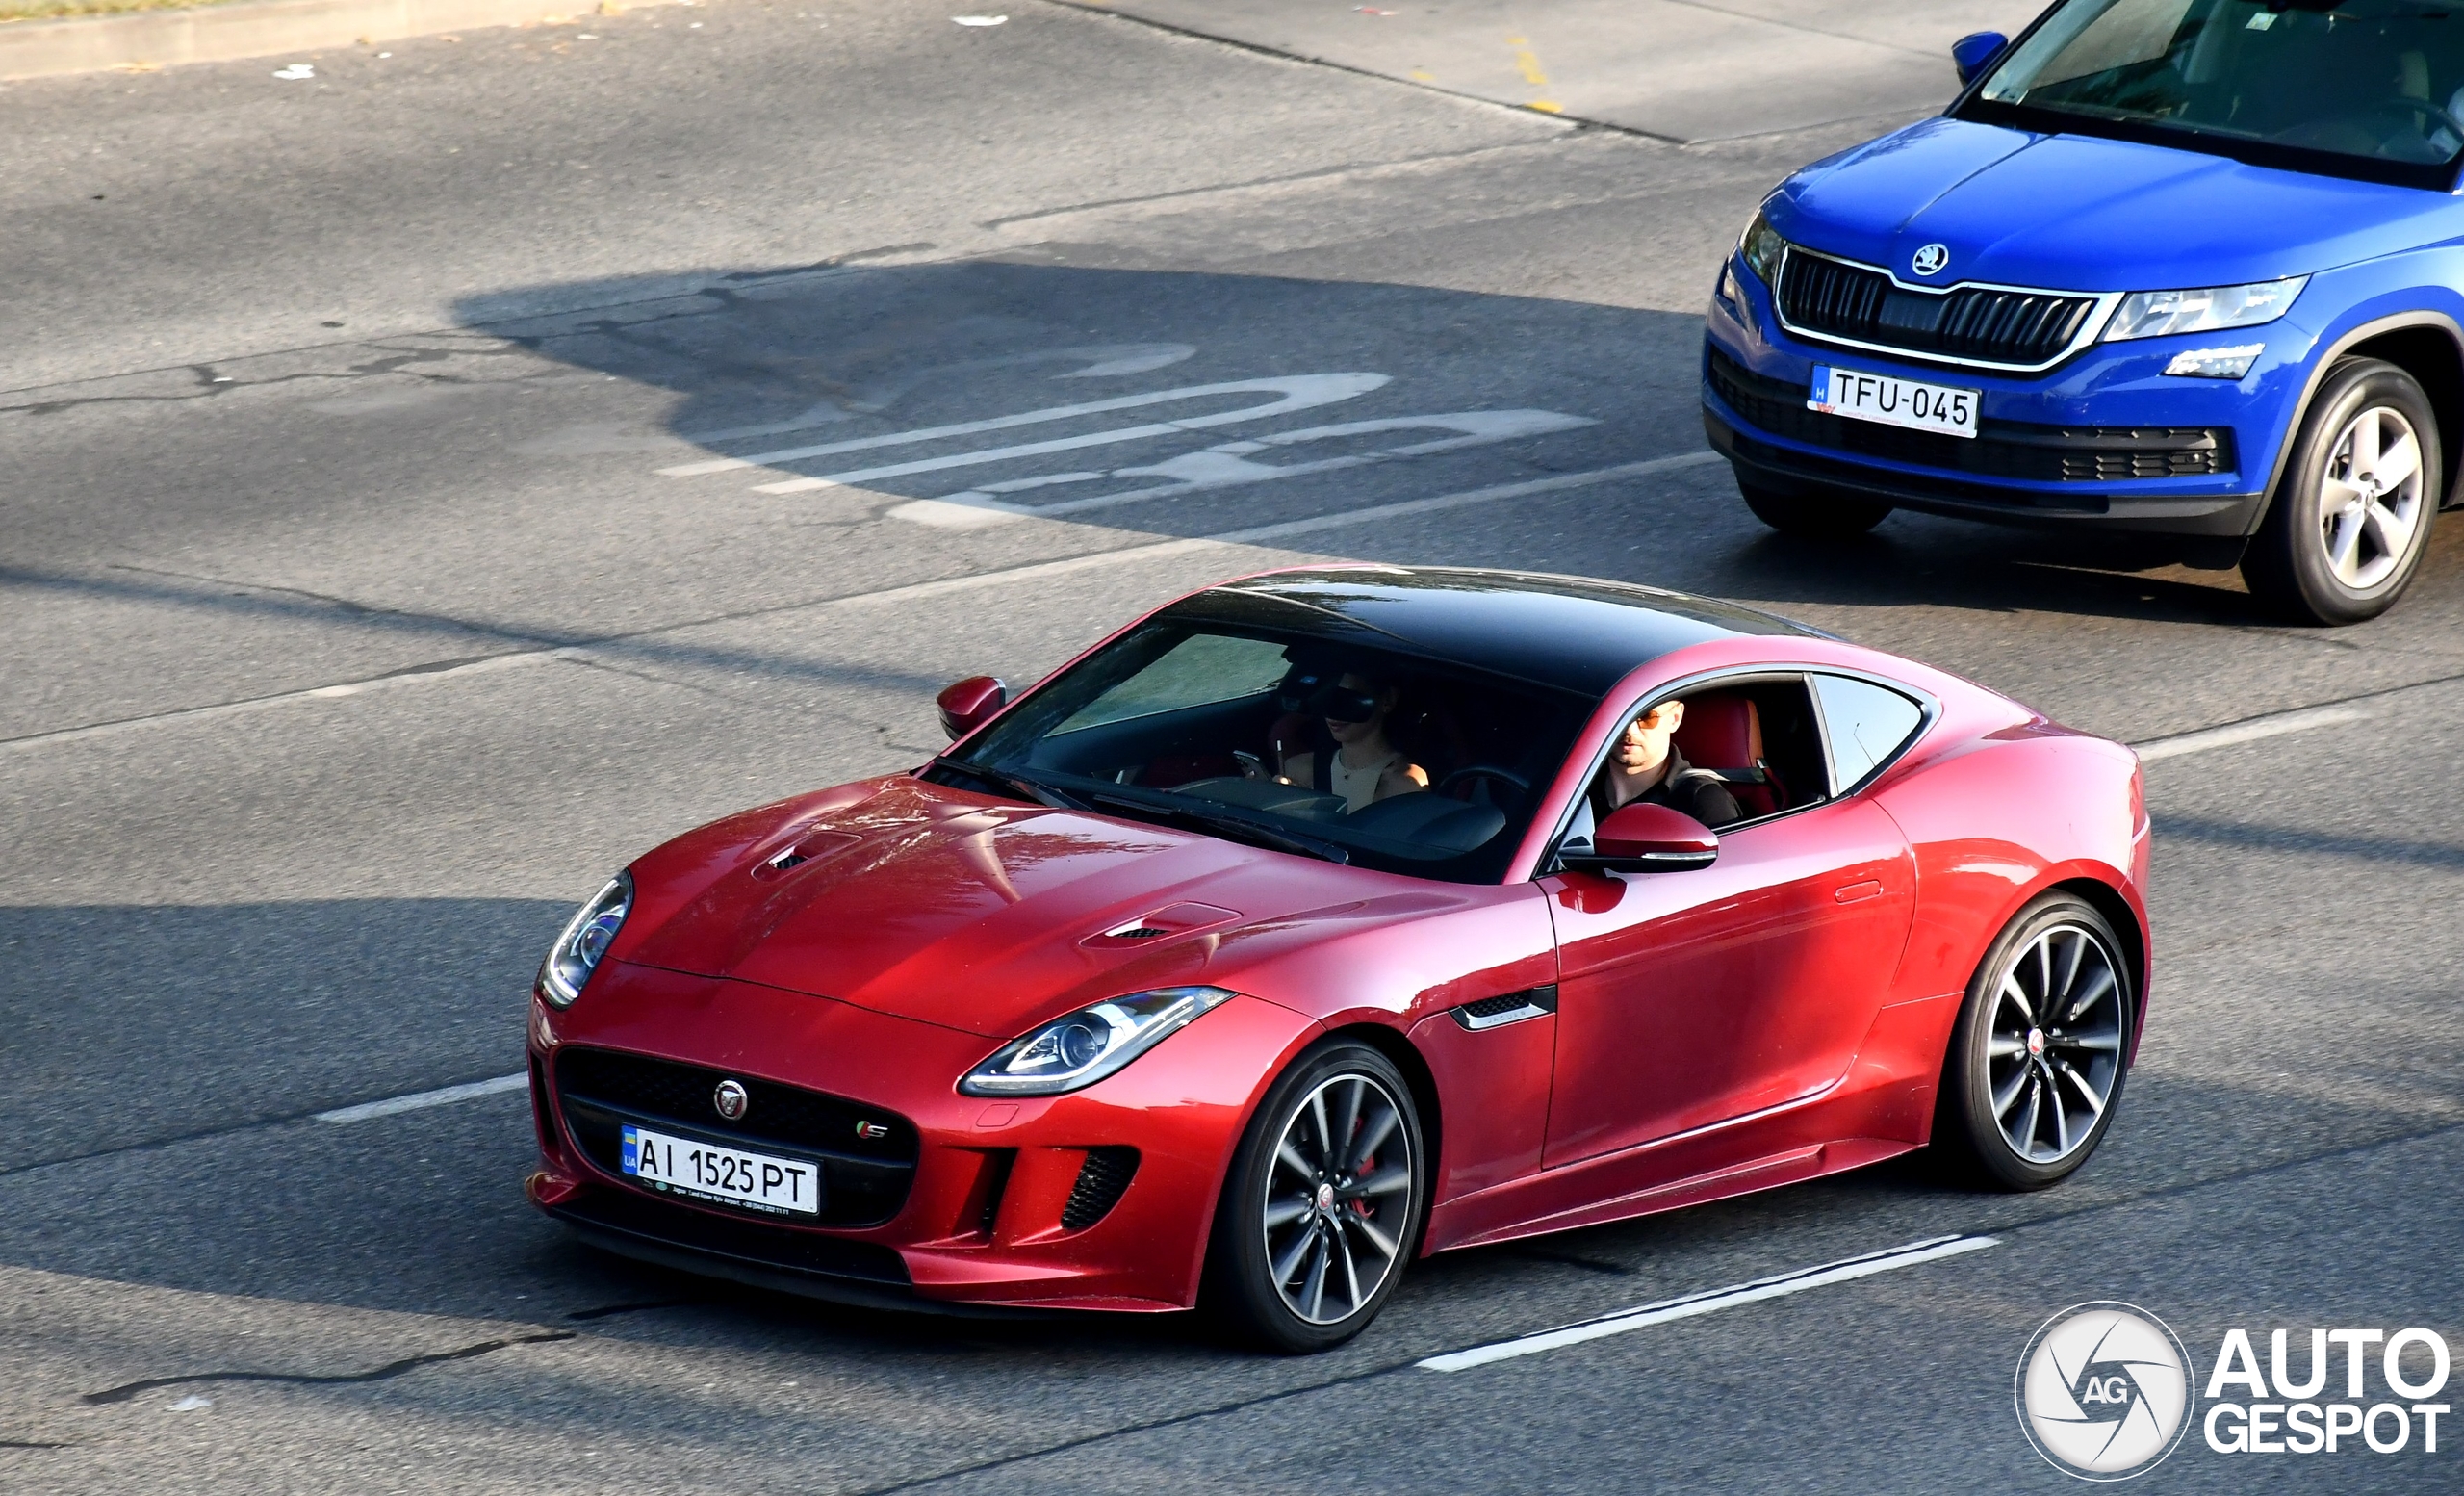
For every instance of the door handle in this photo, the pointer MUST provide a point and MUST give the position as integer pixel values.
(1871, 888)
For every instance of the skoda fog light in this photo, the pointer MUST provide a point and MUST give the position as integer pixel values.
(2215, 362)
(2156, 314)
(1089, 1043)
(586, 937)
(1761, 247)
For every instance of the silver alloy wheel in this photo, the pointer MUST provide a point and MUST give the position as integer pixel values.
(2370, 499)
(2053, 1051)
(1338, 1198)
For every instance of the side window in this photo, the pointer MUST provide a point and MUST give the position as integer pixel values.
(1866, 723)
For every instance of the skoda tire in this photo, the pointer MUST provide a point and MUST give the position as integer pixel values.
(1815, 515)
(2350, 518)
(1324, 1205)
(2037, 1060)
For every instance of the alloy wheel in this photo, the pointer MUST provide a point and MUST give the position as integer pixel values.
(1338, 1198)
(2053, 1052)
(2369, 497)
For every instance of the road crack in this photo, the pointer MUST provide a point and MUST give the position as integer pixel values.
(385, 1372)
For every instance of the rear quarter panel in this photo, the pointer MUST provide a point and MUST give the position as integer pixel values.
(1995, 818)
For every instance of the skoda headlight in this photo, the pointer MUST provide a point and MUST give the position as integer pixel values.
(585, 938)
(1761, 249)
(2153, 314)
(1089, 1043)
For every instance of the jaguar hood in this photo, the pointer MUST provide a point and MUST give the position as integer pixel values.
(2079, 213)
(983, 915)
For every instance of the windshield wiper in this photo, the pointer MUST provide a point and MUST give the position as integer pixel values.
(1014, 785)
(1232, 828)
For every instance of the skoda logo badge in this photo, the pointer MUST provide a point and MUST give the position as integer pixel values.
(1931, 259)
(731, 1100)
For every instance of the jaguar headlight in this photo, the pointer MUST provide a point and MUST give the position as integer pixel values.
(1761, 249)
(2155, 314)
(585, 938)
(1089, 1045)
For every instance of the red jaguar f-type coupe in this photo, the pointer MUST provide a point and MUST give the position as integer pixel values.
(1331, 918)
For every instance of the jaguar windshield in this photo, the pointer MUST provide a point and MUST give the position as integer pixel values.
(2373, 88)
(1383, 759)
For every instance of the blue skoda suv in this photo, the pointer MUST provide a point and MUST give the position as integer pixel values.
(2193, 269)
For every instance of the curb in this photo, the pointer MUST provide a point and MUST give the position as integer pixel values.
(147, 39)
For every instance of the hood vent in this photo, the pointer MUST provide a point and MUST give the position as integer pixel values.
(1170, 919)
(803, 849)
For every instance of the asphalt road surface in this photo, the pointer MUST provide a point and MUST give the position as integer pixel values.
(358, 623)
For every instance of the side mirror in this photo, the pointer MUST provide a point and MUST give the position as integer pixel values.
(1646, 837)
(969, 703)
(1975, 52)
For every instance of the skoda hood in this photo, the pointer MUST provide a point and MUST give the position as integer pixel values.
(2080, 212)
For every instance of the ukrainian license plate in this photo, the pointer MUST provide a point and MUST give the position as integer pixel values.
(705, 1171)
(1901, 402)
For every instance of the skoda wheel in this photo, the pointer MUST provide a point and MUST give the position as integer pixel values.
(1815, 515)
(2350, 518)
(1324, 1203)
(2037, 1060)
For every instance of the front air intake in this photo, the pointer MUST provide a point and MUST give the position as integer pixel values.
(1102, 1179)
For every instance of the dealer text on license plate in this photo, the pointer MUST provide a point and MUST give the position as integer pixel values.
(688, 1166)
(1902, 402)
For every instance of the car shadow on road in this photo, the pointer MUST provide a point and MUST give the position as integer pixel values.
(949, 395)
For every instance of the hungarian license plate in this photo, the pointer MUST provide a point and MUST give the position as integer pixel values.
(705, 1171)
(1901, 402)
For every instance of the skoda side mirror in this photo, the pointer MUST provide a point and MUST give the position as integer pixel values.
(969, 704)
(1975, 52)
(1646, 837)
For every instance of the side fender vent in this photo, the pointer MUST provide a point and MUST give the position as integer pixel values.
(1506, 1008)
(1102, 1180)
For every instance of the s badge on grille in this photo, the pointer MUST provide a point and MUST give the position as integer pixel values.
(731, 1100)
(1931, 259)
(871, 1131)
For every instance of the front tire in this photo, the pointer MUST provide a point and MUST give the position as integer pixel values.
(1820, 516)
(1324, 1205)
(2350, 519)
(2036, 1065)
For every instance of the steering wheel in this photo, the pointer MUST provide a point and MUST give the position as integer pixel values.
(1473, 771)
(2422, 108)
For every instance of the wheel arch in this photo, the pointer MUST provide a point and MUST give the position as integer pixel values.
(2108, 901)
(1399, 1047)
(2428, 346)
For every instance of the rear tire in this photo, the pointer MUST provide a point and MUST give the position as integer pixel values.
(1823, 516)
(1324, 1205)
(2036, 1065)
(2349, 520)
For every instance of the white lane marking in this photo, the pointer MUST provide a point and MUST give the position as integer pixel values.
(1154, 551)
(1299, 392)
(1229, 465)
(512, 660)
(442, 1096)
(2274, 725)
(1105, 361)
(1711, 1302)
(1539, 485)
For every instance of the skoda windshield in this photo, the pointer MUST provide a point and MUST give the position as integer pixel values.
(2368, 88)
(1340, 750)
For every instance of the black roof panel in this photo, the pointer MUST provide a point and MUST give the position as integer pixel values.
(1572, 632)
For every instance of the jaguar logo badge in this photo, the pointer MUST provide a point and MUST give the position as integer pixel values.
(1931, 259)
(871, 1131)
(731, 1100)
